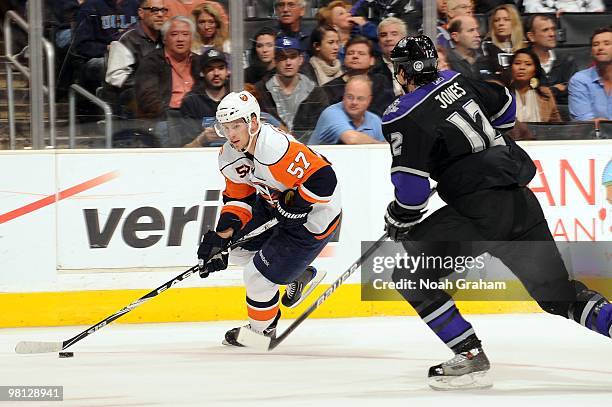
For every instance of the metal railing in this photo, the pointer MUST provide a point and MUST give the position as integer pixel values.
(49, 89)
(108, 114)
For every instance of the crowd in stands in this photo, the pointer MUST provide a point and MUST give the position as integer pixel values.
(168, 61)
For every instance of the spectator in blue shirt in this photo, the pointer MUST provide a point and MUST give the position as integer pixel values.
(590, 90)
(349, 122)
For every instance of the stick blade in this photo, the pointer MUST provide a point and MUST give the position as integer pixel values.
(251, 339)
(27, 347)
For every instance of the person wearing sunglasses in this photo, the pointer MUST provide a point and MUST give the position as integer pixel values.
(125, 55)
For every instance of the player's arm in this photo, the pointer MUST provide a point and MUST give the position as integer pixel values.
(238, 200)
(409, 175)
(412, 193)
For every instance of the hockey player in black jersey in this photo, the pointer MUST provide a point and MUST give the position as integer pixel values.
(446, 128)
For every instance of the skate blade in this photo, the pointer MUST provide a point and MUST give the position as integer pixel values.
(470, 381)
(250, 339)
(311, 286)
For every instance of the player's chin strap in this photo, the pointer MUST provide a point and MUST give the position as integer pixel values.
(251, 137)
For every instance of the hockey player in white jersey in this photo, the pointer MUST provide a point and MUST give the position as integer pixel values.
(268, 174)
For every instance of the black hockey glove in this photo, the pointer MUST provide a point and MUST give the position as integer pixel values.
(399, 221)
(212, 253)
(288, 214)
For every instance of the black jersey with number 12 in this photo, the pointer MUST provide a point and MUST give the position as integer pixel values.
(449, 130)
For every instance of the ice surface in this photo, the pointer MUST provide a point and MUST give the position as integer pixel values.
(538, 360)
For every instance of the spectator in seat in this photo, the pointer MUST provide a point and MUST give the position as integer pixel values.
(390, 31)
(457, 8)
(558, 69)
(261, 58)
(324, 64)
(465, 56)
(454, 9)
(359, 61)
(349, 122)
(125, 55)
(337, 14)
(290, 13)
(212, 26)
(505, 37)
(182, 7)
(563, 6)
(590, 90)
(98, 23)
(442, 8)
(163, 79)
(534, 102)
(200, 105)
(290, 95)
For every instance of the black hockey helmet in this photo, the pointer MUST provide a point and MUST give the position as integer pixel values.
(417, 57)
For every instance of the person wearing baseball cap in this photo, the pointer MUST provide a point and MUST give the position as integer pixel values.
(290, 95)
(200, 105)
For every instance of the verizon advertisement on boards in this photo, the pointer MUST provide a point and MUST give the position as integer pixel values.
(78, 210)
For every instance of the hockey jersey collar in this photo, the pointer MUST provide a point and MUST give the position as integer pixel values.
(406, 103)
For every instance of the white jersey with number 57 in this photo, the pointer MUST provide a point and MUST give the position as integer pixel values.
(279, 163)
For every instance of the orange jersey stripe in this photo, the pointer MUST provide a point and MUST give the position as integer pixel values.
(296, 166)
(330, 230)
(236, 190)
(244, 214)
(259, 315)
(309, 198)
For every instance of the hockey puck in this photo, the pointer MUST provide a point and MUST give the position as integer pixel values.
(66, 354)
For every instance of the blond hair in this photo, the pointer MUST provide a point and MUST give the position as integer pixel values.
(324, 16)
(218, 13)
(517, 37)
(452, 5)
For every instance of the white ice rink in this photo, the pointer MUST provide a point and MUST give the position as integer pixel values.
(538, 360)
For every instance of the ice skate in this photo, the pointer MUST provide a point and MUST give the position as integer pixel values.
(295, 294)
(231, 336)
(467, 370)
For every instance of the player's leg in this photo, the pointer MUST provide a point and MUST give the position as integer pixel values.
(468, 368)
(281, 260)
(539, 266)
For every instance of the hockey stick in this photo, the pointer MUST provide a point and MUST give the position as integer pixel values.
(25, 347)
(251, 339)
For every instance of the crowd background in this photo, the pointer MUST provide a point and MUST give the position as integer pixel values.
(321, 69)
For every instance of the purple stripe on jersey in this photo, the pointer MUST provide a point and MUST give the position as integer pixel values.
(604, 320)
(410, 189)
(441, 319)
(407, 102)
(508, 116)
(456, 327)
